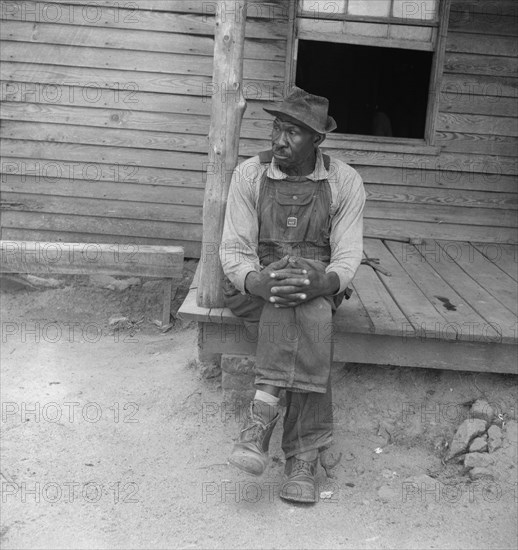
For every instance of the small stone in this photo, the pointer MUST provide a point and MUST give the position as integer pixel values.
(467, 431)
(41, 282)
(101, 281)
(478, 445)
(494, 438)
(123, 284)
(118, 320)
(482, 409)
(480, 473)
(478, 460)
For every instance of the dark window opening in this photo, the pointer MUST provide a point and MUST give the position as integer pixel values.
(372, 91)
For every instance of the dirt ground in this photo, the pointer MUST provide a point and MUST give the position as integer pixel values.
(120, 439)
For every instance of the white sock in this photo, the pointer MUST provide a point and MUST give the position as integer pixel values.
(266, 397)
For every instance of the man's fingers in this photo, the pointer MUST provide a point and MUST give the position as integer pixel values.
(288, 298)
(288, 289)
(285, 273)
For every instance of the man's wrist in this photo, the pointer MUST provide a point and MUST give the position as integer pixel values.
(332, 283)
(250, 281)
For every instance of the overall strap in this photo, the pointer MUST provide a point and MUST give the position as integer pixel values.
(265, 157)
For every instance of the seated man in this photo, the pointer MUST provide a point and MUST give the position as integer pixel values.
(292, 242)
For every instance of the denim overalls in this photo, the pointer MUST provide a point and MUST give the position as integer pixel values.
(294, 345)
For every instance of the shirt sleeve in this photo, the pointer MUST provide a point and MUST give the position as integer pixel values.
(347, 227)
(238, 250)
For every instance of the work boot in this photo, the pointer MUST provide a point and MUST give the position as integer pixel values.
(250, 453)
(300, 483)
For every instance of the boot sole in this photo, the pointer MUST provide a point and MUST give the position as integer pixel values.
(249, 464)
(296, 497)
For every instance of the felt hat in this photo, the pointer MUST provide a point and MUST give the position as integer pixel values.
(308, 109)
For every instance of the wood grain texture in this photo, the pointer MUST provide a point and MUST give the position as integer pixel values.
(143, 41)
(133, 19)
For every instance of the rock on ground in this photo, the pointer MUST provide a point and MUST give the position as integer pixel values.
(466, 432)
(483, 410)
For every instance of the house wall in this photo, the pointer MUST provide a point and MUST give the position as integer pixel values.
(106, 115)
(467, 189)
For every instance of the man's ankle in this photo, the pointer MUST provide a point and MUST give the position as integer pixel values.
(308, 456)
(266, 397)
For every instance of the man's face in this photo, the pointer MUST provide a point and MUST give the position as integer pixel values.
(291, 144)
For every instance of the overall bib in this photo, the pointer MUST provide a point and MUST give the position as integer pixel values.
(294, 345)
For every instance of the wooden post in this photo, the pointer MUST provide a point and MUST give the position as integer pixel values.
(228, 107)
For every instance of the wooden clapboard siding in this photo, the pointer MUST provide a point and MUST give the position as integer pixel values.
(106, 114)
(469, 185)
(105, 123)
(141, 41)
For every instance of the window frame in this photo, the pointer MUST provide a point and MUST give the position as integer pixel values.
(426, 145)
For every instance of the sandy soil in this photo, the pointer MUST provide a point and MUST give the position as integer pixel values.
(121, 441)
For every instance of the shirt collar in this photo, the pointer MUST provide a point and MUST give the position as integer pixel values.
(319, 173)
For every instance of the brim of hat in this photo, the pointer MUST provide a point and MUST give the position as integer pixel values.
(330, 126)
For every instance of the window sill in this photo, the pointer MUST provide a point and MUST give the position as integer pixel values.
(380, 144)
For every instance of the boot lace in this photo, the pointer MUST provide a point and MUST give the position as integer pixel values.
(301, 467)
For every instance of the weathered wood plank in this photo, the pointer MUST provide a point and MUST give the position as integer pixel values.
(485, 7)
(478, 124)
(475, 44)
(262, 9)
(485, 144)
(52, 171)
(504, 256)
(137, 122)
(168, 141)
(484, 356)
(81, 258)
(191, 248)
(484, 272)
(445, 161)
(385, 315)
(104, 155)
(354, 317)
(455, 310)
(183, 23)
(114, 227)
(480, 23)
(50, 204)
(496, 316)
(124, 103)
(489, 86)
(439, 214)
(121, 39)
(405, 293)
(426, 230)
(111, 79)
(475, 64)
(477, 104)
(103, 190)
(452, 178)
(130, 60)
(439, 196)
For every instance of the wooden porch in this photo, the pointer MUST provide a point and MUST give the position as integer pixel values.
(446, 305)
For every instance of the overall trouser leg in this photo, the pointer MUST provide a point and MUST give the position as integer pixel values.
(308, 422)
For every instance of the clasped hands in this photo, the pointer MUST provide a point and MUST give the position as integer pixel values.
(285, 285)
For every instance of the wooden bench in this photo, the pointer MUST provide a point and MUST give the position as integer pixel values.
(95, 259)
(446, 305)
